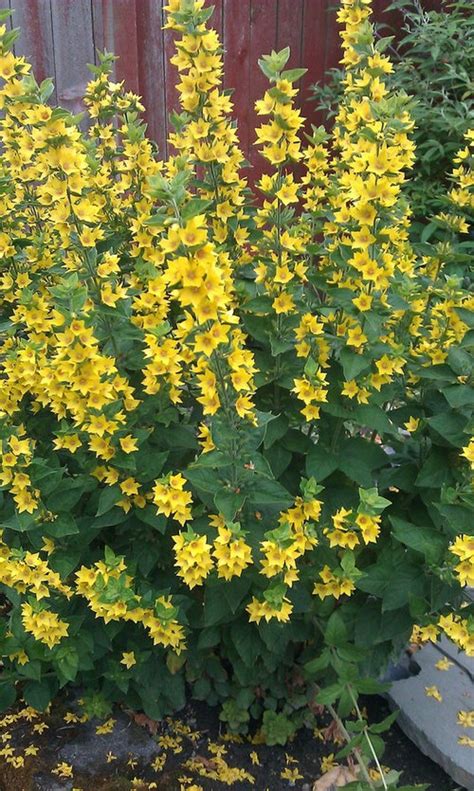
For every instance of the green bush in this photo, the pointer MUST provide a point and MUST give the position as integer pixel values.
(434, 63)
(235, 429)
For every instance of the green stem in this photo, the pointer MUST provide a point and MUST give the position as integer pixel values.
(366, 734)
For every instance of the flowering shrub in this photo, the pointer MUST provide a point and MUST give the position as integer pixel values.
(234, 422)
(433, 57)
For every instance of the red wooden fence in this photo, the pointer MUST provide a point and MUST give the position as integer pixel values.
(59, 37)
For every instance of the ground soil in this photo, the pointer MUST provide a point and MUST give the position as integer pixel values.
(304, 753)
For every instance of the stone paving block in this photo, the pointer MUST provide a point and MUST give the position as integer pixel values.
(458, 656)
(45, 782)
(88, 752)
(432, 725)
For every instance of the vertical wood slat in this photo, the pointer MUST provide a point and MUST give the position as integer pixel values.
(289, 30)
(313, 44)
(263, 35)
(60, 36)
(151, 78)
(236, 28)
(115, 30)
(171, 74)
(73, 42)
(35, 42)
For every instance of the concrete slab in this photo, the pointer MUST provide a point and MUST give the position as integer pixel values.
(450, 650)
(46, 782)
(433, 725)
(87, 754)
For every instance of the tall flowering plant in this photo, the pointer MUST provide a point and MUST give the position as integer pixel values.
(235, 422)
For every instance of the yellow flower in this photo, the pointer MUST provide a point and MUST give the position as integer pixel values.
(443, 664)
(128, 444)
(466, 719)
(292, 775)
(63, 770)
(128, 659)
(433, 692)
(106, 727)
(194, 232)
(129, 486)
(328, 762)
(283, 303)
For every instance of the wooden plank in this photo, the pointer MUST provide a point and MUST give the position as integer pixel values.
(36, 39)
(236, 25)
(289, 30)
(263, 35)
(150, 63)
(332, 50)
(216, 19)
(73, 43)
(313, 40)
(171, 75)
(115, 29)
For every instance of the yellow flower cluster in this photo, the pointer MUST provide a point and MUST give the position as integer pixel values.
(43, 624)
(193, 558)
(171, 499)
(267, 610)
(333, 584)
(209, 137)
(110, 595)
(463, 548)
(345, 525)
(457, 628)
(461, 194)
(128, 284)
(27, 572)
(15, 457)
(232, 554)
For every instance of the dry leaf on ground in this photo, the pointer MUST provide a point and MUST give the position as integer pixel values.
(336, 778)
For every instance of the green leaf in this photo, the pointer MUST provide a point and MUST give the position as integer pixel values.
(450, 425)
(459, 396)
(358, 458)
(208, 638)
(408, 580)
(268, 492)
(321, 662)
(422, 539)
(353, 364)
(149, 516)
(330, 694)
(69, 494)
(370, 686)
(279, 459)
(37, 694)
(194, 207)
(7, 694)
(229, 502)
(202, 478)
(68, 663)
(320, 462)
(385, 724)
(292, 75)
(275, 430)
(375, 418)
(435, 471)
(108, 498)
(20, 522)
(63, 525)
(336, 631)
(246, 642)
